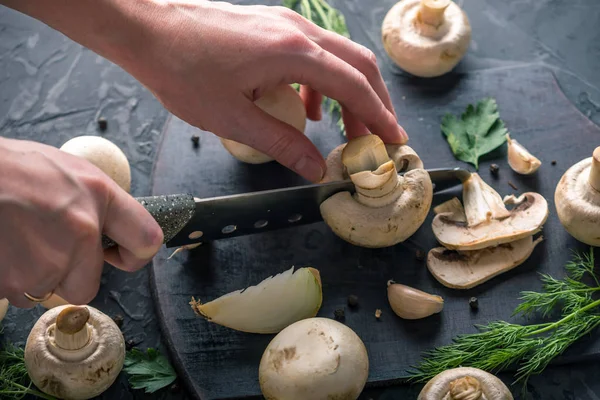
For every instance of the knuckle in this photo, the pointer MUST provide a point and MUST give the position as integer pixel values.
(280, 147)
(368, 62)
(83, 224)
(295, 42)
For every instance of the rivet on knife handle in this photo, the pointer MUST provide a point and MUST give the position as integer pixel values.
(172, 212)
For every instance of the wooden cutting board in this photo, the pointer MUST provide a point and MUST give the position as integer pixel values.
(220, 363)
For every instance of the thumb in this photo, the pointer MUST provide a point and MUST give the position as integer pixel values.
(133, 229)
(286, 144)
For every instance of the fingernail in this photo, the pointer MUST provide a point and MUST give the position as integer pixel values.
(309, 168)
(403, 134)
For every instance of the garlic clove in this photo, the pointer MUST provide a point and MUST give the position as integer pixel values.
(520, 160)
(411, 303)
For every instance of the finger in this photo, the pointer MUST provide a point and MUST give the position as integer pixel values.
(133, 229)
(339, 80)
(354, 128)
(279, 140)
(81, 284)
(312, 101)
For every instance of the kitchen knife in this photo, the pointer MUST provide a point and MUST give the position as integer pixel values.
(188, 220)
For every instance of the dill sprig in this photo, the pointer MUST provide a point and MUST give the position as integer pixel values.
(327, 17)
(500, 345)
(14, 380)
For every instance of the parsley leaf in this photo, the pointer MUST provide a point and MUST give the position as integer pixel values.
(150, 371)
(479, 131)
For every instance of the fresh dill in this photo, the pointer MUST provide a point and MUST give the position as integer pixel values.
(14, 380)
(500, 345)
(327, 17)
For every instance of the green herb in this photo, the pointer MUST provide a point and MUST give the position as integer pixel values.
(327, 17)
(500, 345)
(150, 371)
(479, 131)
(14, 380)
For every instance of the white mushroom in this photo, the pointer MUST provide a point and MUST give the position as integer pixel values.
(577, 200)
(284, 103)
(105, 155)
(520, 159)
(485, 221)
(387, 208)
(3, 308)
(465, 383)
(426, 38)
(74, 352)
(467, 269)
(316, 359)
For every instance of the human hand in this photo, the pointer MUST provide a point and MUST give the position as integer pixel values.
(54, 207)
(208, 61)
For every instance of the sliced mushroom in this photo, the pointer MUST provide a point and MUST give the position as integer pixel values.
(3, 308)
(467, 269)
(520, 159)
(577, 200)
(465, 383)
(283, 103)
(387, 208)
(426, 38)
(74, 352)
(489, 223)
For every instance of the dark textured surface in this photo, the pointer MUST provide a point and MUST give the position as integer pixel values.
(537, 120)
(51, 90)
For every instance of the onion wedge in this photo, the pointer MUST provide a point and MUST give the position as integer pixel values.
(270, 306)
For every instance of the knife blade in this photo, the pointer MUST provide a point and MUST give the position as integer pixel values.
(187, 220)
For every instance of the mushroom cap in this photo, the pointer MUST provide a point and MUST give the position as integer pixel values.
(104, 154)
(315, 358)
(578, 203)
(490, 387)
(525, 219)
(421, 49)
(284, 103)
(383, 226)
(3, 308)
(467, 269)
(74, 374)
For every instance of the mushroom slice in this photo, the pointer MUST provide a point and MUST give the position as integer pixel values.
(3, 308)
(386, 208)
(520, 160)
(74, 352)
(268, 307)
(467, 269)
(426, 38)
(577, 200)
(453, 209)
(283, 103)
(316, 359)
(465, 383)
(489, 223)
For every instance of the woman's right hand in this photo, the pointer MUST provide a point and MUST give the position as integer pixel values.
(54, 207)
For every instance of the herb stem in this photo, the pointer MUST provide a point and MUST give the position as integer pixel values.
(321, 12)
(565, 319)
(24, 390)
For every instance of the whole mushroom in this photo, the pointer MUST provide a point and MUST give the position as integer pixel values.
(465, 383)
(314, 358)
(386, 208)
(577, 199)
(284, 103)
(74, 352)
(3, 308)
(104, 154)
(426, 38)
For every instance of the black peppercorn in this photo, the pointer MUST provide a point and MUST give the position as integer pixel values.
(339, 314)
(102, 123)
(352, 300)
(196, 140)
(474, 303)
(494, 168)
(420, 255)
(553, 162)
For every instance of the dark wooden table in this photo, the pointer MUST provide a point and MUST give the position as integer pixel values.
(52, 89)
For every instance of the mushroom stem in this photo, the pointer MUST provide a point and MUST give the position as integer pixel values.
(72, 332)
(432, 11)
(465, 388)
(594, 178)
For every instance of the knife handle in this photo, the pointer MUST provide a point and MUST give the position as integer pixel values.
(172, 212)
